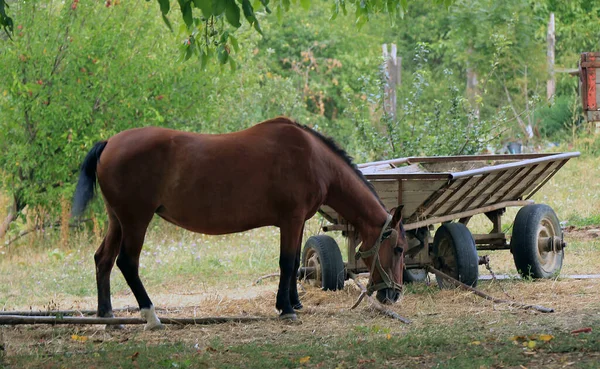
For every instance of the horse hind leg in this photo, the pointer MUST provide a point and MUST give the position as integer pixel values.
(128, 262)
(105, 259)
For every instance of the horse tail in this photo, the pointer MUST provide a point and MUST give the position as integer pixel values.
(86, 186)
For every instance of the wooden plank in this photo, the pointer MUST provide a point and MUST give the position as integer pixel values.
(507, 166)
(482, 187)
(413, 202)
(329, 214)
(456, 193)
(592, 102)
(597, 87)
(385, 186)
(400, 186)
(489, 237)
(489, 195)
(414, 224)
(437, 197)
(550, 175)
(422, 185)
(583, 81)
(467, 192)
(522, 188)
(518, 177)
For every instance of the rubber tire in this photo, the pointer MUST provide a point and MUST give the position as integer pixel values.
(330, 259)
(414, 275)
(459, 239)
(524, 246)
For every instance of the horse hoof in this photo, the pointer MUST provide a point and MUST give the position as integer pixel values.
(289, 316)
(114, 327)
(154, 327)
(298, 306)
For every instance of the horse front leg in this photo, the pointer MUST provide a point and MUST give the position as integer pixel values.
(290, 235)
(294, 298)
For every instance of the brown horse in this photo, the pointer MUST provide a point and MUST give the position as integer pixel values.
(275, 173)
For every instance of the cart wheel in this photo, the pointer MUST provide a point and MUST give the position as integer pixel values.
(414, 275)
(323, 260)
(537, 243)
(455, 254)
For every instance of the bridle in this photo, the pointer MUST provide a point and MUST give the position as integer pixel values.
(386, 280)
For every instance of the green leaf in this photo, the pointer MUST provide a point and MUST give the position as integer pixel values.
(186, 11)
(165, 6)
(305, 4)
(232, 13)
(5, 21)
(234, 43)
(334, 11)
(222, 54)
(224, 37)
(167, 22)
(279, 14)
(205, 6)
(249, 14)
(232, 64)
(266, 5)
(218, 7)
(204, 59)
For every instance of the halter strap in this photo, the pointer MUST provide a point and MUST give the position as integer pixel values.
(386, 280)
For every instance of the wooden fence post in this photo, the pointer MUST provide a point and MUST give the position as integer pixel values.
(392, 69)
(551, 39)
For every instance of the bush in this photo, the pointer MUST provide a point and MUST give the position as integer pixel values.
(557, 121)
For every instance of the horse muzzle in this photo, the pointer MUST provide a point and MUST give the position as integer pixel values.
(388, 295)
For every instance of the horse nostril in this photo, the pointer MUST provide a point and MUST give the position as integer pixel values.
(388, 296)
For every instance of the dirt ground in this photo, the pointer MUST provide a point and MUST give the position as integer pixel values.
(327, 314)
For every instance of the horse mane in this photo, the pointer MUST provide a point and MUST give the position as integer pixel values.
(341, 153)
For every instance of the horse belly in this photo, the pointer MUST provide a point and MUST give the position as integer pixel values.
(217, 212)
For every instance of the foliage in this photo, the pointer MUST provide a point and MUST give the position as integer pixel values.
(77, 74)
(210, 24)
(560, 118)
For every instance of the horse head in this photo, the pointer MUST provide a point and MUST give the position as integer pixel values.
(386, 259)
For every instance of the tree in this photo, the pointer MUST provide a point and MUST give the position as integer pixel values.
(209, 25)
(77, 73)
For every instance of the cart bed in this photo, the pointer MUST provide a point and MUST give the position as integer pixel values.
(438, 189)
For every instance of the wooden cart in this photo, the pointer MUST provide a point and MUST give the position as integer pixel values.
(449, 191)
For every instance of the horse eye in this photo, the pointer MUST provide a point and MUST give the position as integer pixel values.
(398, 250)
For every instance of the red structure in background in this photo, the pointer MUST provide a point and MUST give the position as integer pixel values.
(589, 69)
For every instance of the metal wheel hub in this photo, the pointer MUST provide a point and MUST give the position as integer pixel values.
(550, 245)
(313, 265)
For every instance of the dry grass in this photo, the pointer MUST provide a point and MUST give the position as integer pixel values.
(327, 317)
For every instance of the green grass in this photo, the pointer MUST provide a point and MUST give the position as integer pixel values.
(582, 221)
(460, 344)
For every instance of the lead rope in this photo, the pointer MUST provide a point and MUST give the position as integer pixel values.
(373, 250)
(489, 268)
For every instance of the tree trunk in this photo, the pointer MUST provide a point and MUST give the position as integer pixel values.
(12, 215)
(472, 90)
(392, 68)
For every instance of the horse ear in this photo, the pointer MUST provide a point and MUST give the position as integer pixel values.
(397, 218)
